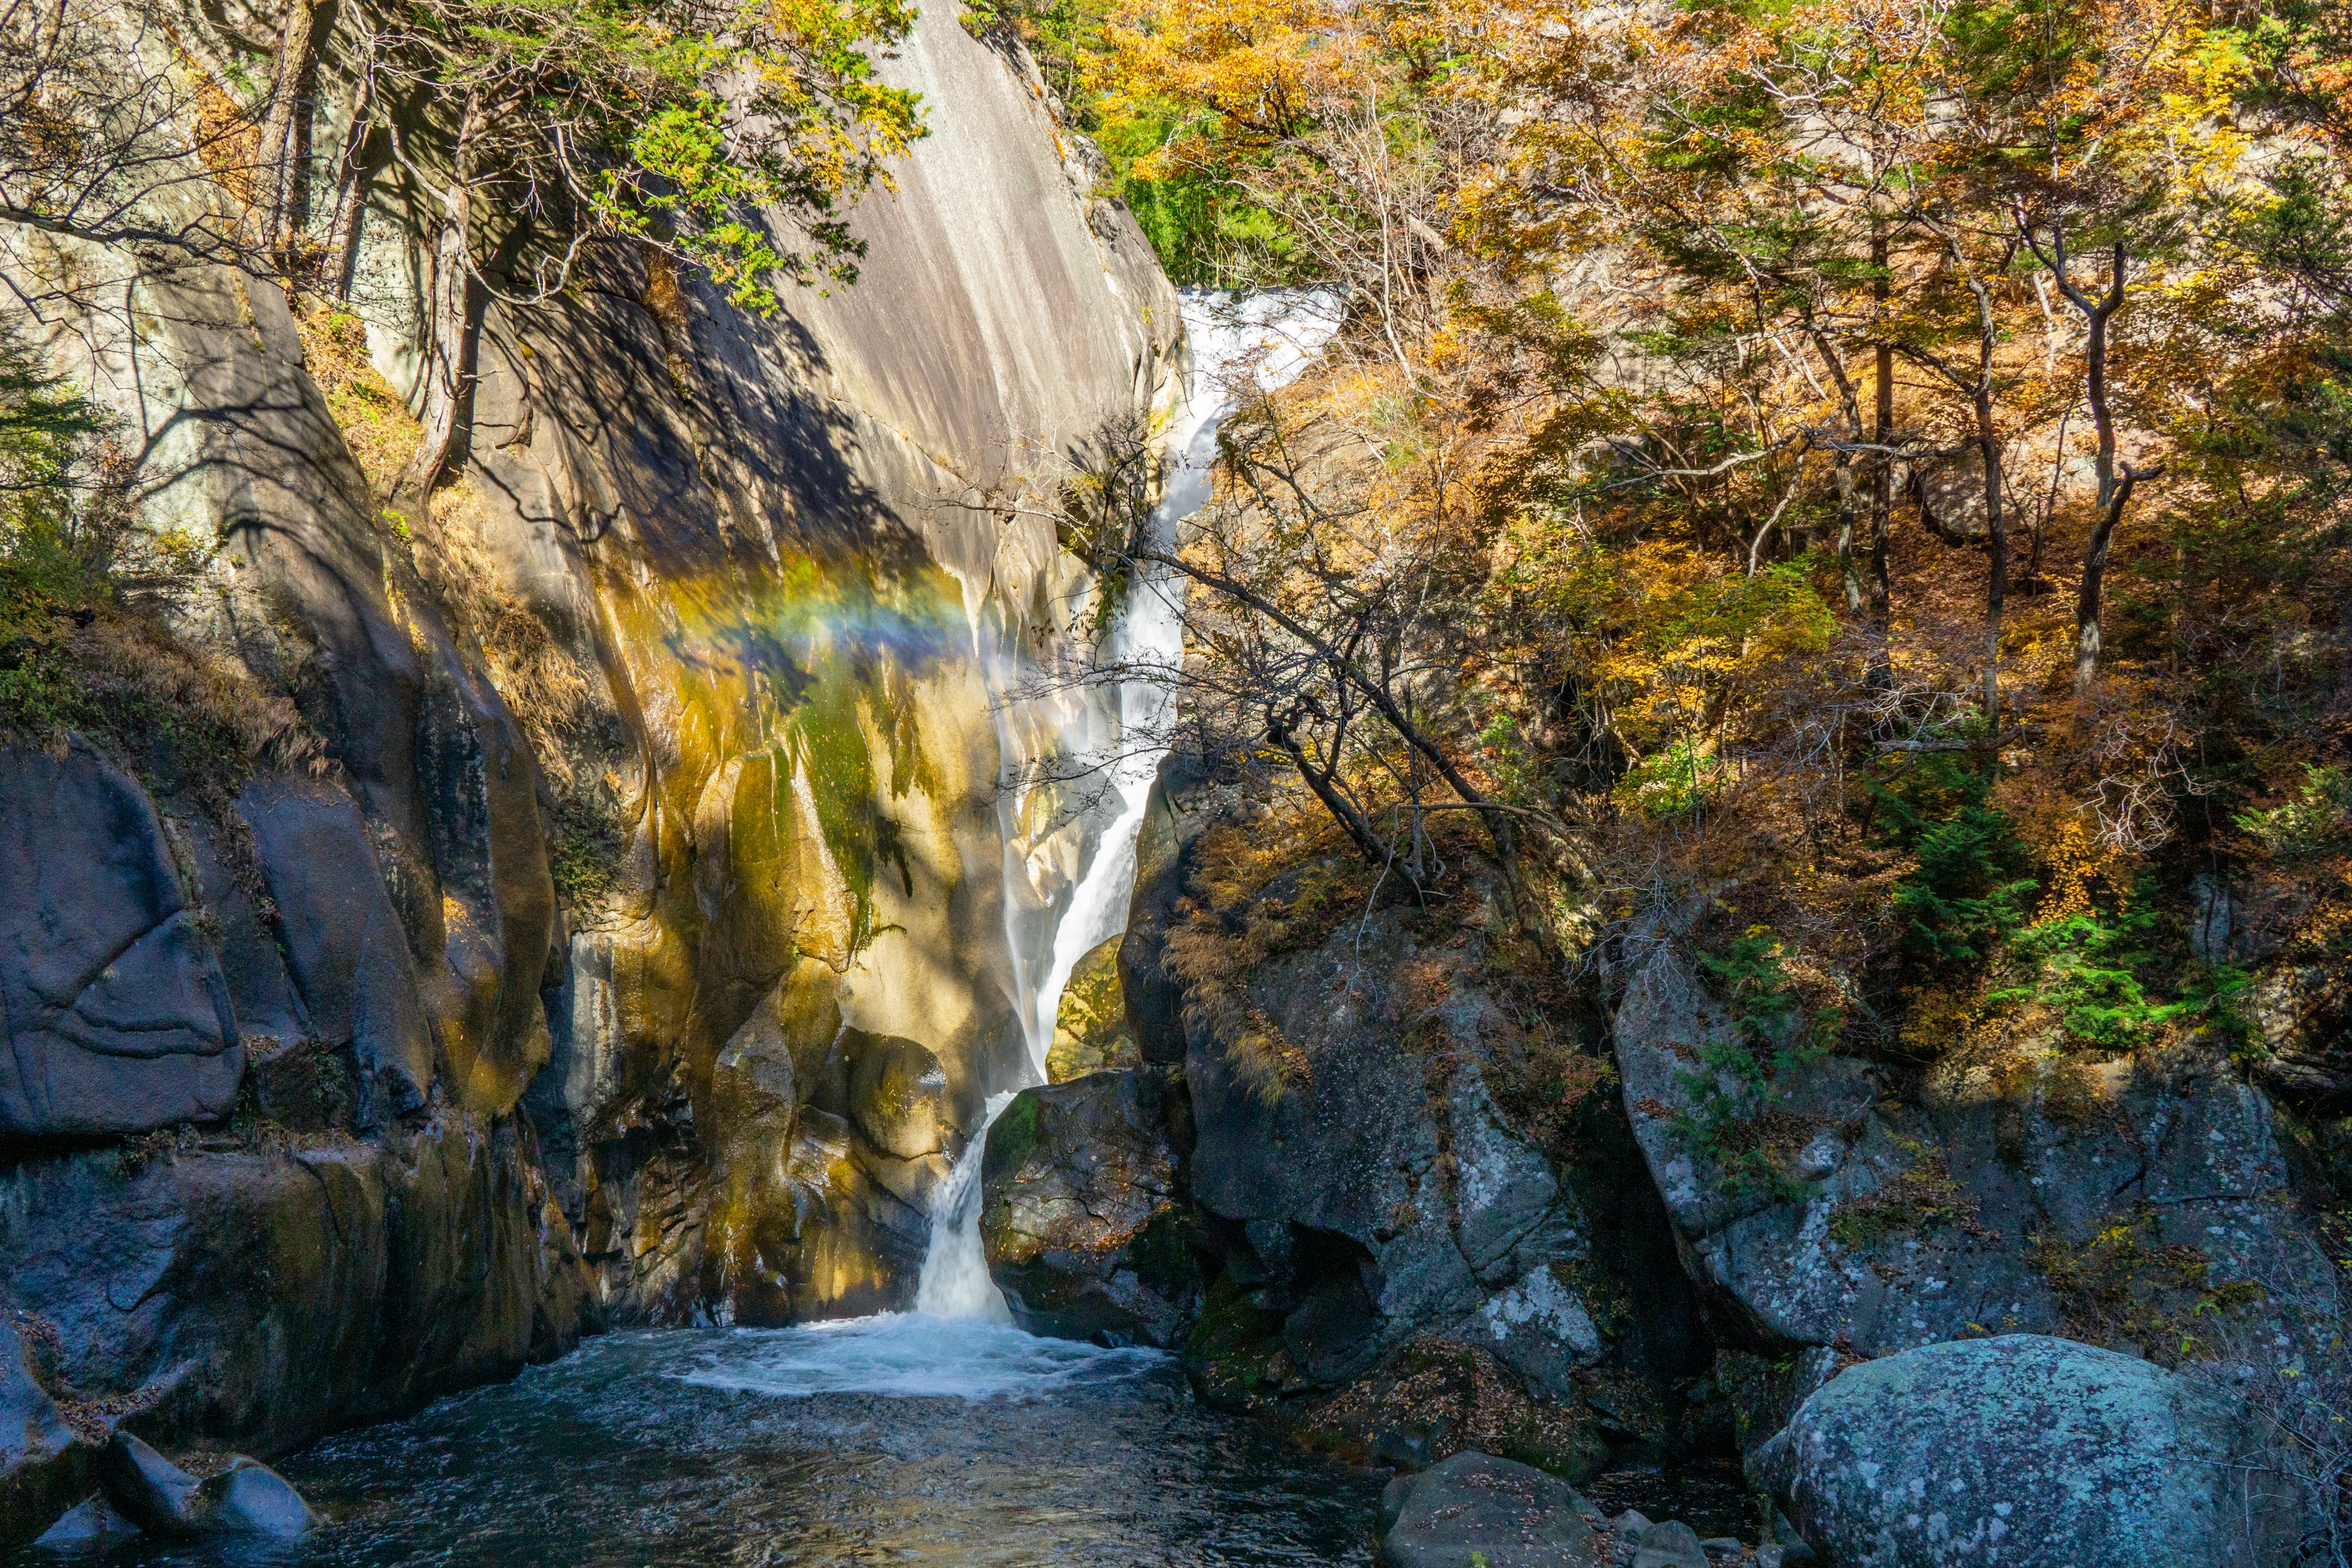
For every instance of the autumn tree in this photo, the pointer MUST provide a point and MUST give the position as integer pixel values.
(729, 137)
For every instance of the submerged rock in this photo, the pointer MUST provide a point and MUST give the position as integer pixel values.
(1081, 1188)
(2020, 1450)
(1475, 1508)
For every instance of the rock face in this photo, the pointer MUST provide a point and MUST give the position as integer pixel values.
(1398, 1256)
(1082, 1209)
(277, 1295)
(42, 1464)
(116, 1016)
(1896, 1220)
(1474, 1509)
(2020, 1449)
(641, 792)
(1352, 1224)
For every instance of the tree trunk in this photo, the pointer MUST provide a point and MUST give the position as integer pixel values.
(1997, 548)
(1378, 851)
(448, 360)
(1882, 476)
(2115, 489)
(354, 170)
(1988, 440)
(278, 141)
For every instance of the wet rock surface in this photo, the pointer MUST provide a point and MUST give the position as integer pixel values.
(1474, 1507)
(2019, 1449)
(492, 1006)
(1083, 1208)
(43, 1465)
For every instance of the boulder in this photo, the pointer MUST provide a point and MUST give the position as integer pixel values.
(1474, 1509)
(897, 1094)
(41, 1463)
(156, 1496)
(150, 1490)
(1081, 1208)
(343, 940)
(1091, 1032)
(2021, 1449)
(251, 1498)
(1376, 1192)
(90, 1526)
(1670, 1543)
(117, 1018)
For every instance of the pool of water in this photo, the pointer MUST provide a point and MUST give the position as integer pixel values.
(901, 1440)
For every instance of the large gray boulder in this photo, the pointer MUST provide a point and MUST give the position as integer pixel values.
(898, 1095)
(1474, 1509)
(116, 1016)
(2019, 1450)
(1081, 1208)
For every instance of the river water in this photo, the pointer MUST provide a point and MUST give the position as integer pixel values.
(894, 1440)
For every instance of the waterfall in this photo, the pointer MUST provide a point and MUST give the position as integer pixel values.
(1267, 338)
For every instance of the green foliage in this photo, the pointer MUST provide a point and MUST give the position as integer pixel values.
(2100, 974)
(1771, 1036)
(2317, 820)
(1969, 891)
(584, 855)
(1672, 782)
(669, 124)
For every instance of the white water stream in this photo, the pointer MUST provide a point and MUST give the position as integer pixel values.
(1263, 339)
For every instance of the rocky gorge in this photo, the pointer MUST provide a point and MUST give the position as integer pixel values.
(656, 879)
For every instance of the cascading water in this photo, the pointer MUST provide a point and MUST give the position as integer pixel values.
(1264, 340)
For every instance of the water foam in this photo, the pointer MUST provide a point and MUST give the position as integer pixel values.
(911, 1355)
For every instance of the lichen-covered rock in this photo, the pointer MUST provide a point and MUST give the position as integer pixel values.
(1091, 1032)
(2019, 1450)
(1081, 1208)
(1474, 1511)
(1374, 1195)
(1881, 1221)
(116, 1016)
